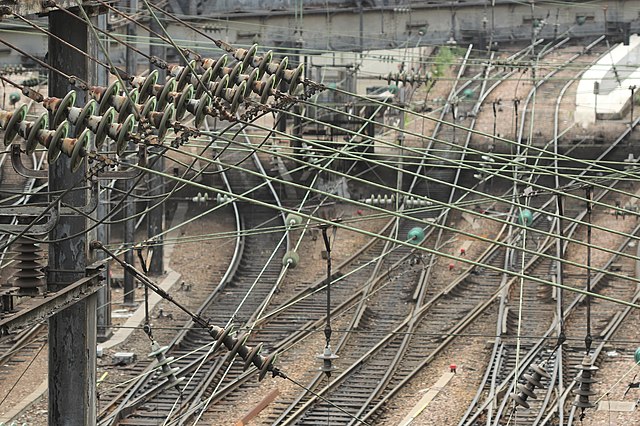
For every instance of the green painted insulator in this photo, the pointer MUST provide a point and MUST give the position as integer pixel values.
(467, 93)
(415, 235)
(291, 258)
(637, 356)
(14, 98)
(292, 220)
(526, 217)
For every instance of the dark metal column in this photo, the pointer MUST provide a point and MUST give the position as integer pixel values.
(155, 221)
(72, 332)
(129, 206)
(102, 231)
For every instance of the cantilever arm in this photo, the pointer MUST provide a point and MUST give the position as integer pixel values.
(45, 228)
(21, 169)
(23, 210)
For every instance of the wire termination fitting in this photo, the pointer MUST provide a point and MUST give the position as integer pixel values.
(164, 363)
(327, 358)
(585, 379)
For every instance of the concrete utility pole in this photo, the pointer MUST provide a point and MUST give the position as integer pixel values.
(155, 221)
(129, 206)
(72, 332)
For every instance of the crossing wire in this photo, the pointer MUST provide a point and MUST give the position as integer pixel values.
(146, 2)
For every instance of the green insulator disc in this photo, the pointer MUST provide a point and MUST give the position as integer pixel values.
(637, 356)
(526, 217)
(14, 98)
(292, 220)
(291, 258)
(415, 235)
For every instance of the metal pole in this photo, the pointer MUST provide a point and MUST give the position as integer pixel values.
(596, 92)
(72, 332)
(102, 231)
(495, 118)
(155, 218)
(588, 339)
(633, 89)
(361, 11)
(129, 207)
(400, 140)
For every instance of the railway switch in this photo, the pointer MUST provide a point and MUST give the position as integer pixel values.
(532, 382)
(124, 358)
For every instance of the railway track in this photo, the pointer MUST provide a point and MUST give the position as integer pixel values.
(256, 268)
(431, 332)
(22, 347)
(376, 313)
(503, 365)
(385, 355)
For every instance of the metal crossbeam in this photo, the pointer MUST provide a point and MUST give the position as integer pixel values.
(51, 304)
(40, 7)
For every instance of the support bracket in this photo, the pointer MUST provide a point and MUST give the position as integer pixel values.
(21, 169)
(42, 229)
(52, 303)
(26, 210)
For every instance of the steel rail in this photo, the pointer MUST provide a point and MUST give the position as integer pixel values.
(498, 344)
(426, 274)
(522, 148)
(226, 278)
(601, 271)
(411, 318)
